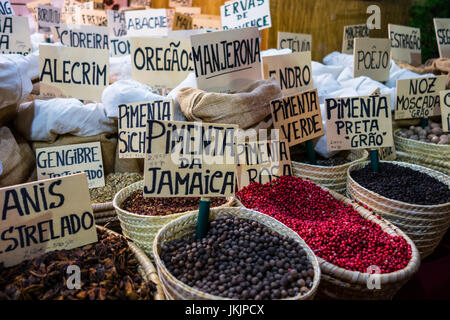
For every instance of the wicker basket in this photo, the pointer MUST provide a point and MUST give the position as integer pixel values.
(143, 229)
(146, 268)
(185, 226)
(424, 224)
(105, 215)
(333, 177)
(438, 165)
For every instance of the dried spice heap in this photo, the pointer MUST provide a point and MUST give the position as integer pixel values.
(137, 203)
(403, 184)
(114, 182)
(333, 230)
(240, 259)
(108, 271)
(432, 133)
(321, 161)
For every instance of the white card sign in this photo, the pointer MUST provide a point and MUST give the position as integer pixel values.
(152, 22)
(352, 32)
(372, 58)
(47, 17)
(116, 23)
(442, 27)
(297, 42)
(91, 17)
(445, 110)
(6, 8)
(225, 61)
(45, 216)
(358, 122)
(54, 162)
(132, 123)
(180, 3)
(14, 35)
(405, 44)
(419, 97)
(81, 36)
(73, 72)
(243, 14)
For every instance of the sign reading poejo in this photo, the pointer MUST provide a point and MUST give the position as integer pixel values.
(352, 32)
(5, 8)
(371, 58)
(225, 61)
(298, 117)
(48, 16)
(205, 21)
(405, 44)
(419, 97)
(445, 110)
(71, 159)
(189, 159)
(358, 122)
(262, 161)
(160, 62)
(292, 70)
(442, 27)
(45, 216)
(14, 35)
(132, 123)
(181, 22)
(81, 36)
(151, 22)
(297, 42)
(242, 14)
(73, 72)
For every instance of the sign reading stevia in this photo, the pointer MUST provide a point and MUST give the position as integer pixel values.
(65, 160)
(73, 72)
(47, 17)
(133, 121)
(14, 35)
(298, 117)
(419, 97)
(6, 8)
(442, 27)
(371, 58)
(189, 159)
(293, 71)
(243, 14)
(352, 32)
(152, 22)
(45, 216)
(358, 122)
(160, 62)
(445, 110)
(225, 61)
(262, 161)
(297, 42)
(405, 44)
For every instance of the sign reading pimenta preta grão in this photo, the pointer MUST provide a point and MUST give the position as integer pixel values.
(419, 97)
(73, 72)
(14, 35)
(133, 121)
(72, 159)
(358, 122)
(262, 161)
(189, 159)
(297, 42)
(44, 216)
(352, 32)
(405, 44)
(372, 58)
(298, 117)
(445, 110)
(442, 27)
(243, 13)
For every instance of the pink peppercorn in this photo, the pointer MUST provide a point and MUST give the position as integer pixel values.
(334, 231)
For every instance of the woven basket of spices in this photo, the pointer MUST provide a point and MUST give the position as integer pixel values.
(435, 164)
(239, 276)
(425, 224)
(331, 177)
(142, 227)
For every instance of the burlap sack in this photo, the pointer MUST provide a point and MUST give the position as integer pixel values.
(128, 165)
(439, 66)
(246, 108)
(16, 157)
(107, 141)
(7, 114)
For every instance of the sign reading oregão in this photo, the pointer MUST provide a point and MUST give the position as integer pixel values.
(297, 42)
(45, 216)
(405, 44)
(419, 97)
(189, 159)
(292, 70)
(152, 22)
(442, 27)
(73, 72)
(132, 123)
(14, 35)
(243, 14)
(352, 32)
(71, 159)
(445, 110)
(225, 61)
(358, 122)
(298, 117)
(372, 59)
